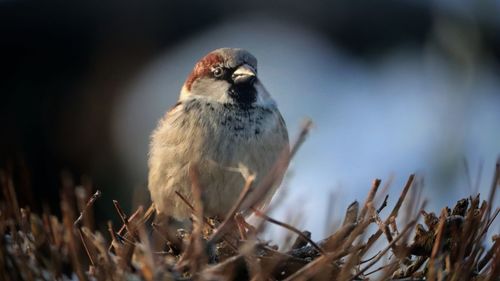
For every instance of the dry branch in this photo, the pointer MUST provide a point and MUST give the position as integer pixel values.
(449, 248)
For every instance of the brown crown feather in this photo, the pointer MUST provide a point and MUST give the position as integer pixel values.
(203, 68)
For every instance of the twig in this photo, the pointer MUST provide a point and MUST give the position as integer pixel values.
(114, 239)
(197, 193)
(401, 199)
(123, 217)
(334, 241)
(133, 216)
(147, 215)
(279, 168)
(68, 217)
(85, 246)
(437, 244)
(384, 204)
(394, 211)
(313, 267)
(291, 228)
(306, 127)
(125, 240)
(90, 202)
(490, 221)
(205, 219)
(299, 242)
(240, 223)
(277, 171)
(367, 260)
(161, 234)
(486, 259)
(371, 196)
(184, 199)
(410, 270)
(222, 229)
(387, 248)
(190, 206)
(194, 254)
(351, 214)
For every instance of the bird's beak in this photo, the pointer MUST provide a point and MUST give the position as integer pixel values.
(244, 74)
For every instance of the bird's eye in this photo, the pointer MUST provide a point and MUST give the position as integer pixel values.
(218, 71)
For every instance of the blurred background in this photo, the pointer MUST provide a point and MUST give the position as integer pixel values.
(393, 87)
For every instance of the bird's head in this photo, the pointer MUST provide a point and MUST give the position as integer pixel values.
(226, 75)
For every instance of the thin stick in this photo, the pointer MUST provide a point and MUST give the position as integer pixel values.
(150, 211)
(486, 259)
(125, 240)
(184, 199)
(437, 244)
(132, 217)
(384, 204)
(387, 248)
(291, 228)
(371, 196)
(194, 254)
(90, 202)
(123, 217)
(68, 217)
(240, 222)
(85, 246)
(387, 184)
(351, 214)
(394, 212)
(206, 220)
(367, 260)
(489, 222)
(306, 127)
(278, 169)
(406, 188)
(156, 228)
(197, 193)
(220, 231)
(313, 267)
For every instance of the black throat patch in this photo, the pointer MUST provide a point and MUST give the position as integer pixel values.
(244, 95)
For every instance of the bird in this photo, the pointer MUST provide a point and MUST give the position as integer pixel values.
(226, 123)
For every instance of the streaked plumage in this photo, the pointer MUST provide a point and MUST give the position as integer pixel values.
(225, 123)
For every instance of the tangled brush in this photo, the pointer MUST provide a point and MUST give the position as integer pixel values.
(448, 246)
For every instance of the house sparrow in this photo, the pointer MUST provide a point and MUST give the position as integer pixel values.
(228, 125)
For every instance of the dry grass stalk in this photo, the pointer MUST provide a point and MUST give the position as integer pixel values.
(336, 257)
(446, 248)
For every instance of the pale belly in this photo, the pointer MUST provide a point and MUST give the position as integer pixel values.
(225, 149)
